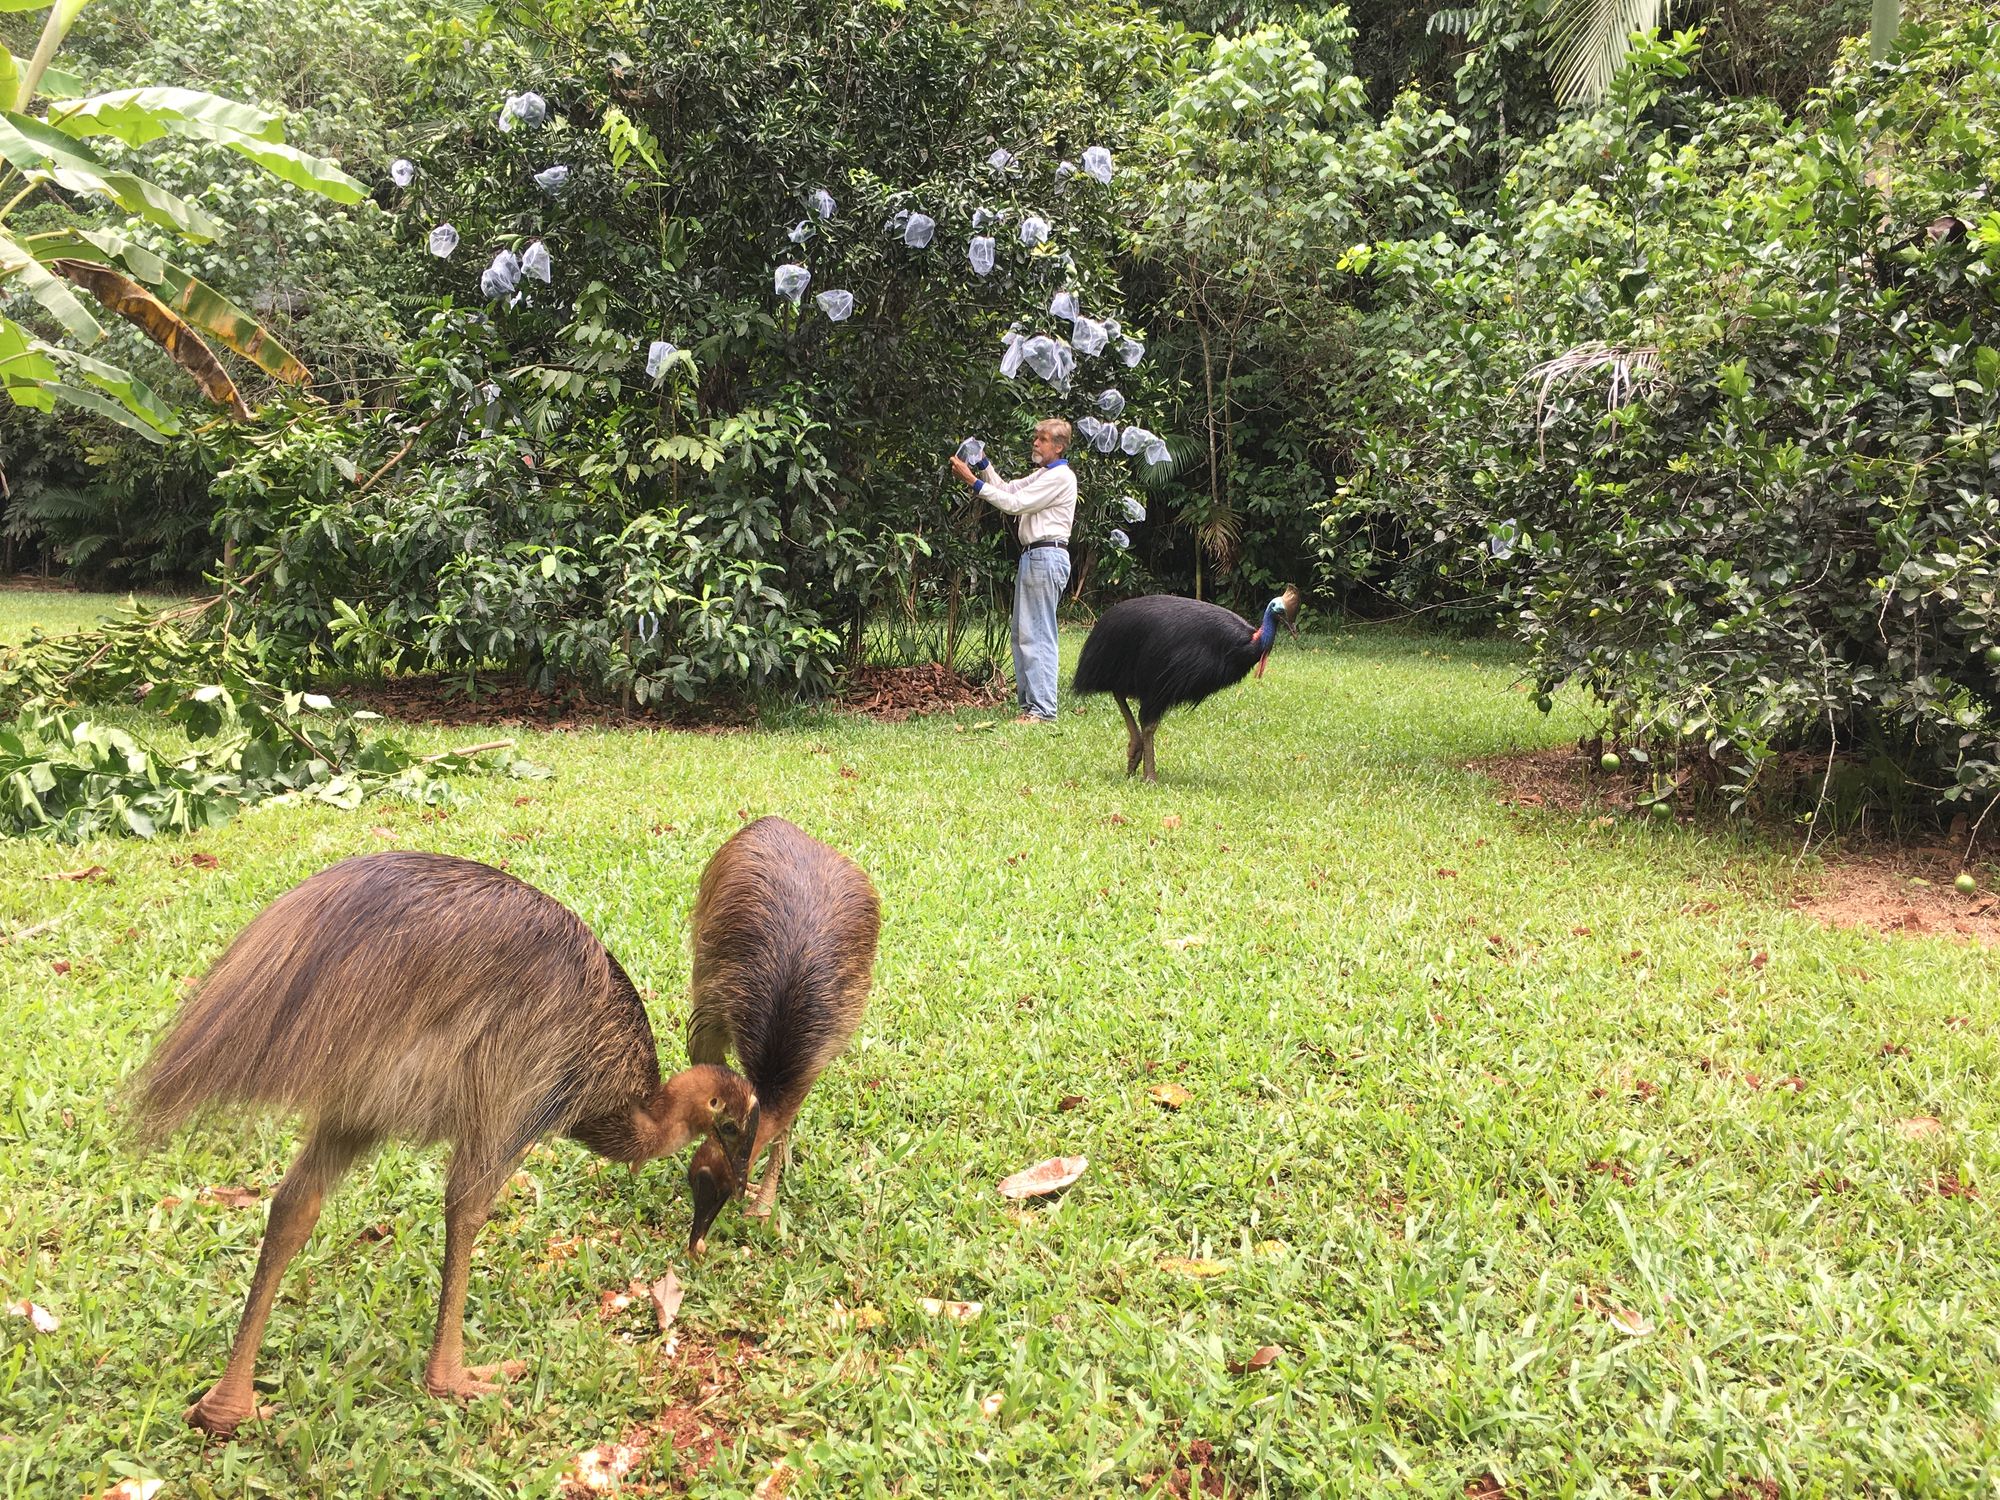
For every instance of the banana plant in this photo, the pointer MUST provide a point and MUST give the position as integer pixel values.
(78, 271)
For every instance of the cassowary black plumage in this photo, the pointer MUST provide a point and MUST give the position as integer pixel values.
(1167, 651)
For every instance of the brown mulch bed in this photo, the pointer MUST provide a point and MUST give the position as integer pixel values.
(1885, 885)
(34, 583)
(444, 702)
(893, 694)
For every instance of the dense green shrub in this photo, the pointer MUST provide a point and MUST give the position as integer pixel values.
(734, 520)
(1712, 411)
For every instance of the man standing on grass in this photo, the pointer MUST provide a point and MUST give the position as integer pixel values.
(1044, 501)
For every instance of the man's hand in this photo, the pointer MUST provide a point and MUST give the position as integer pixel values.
(962, 469)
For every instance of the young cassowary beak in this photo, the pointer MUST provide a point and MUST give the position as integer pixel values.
(1284, 608)
(714, 1178)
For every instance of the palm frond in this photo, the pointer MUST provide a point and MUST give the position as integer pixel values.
(1587, 41)
(1183, 453)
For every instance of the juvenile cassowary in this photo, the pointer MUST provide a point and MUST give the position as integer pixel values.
(784, 954)
(1166, 651)
(422, 998)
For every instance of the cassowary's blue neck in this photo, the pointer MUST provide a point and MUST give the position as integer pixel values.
(1268, 631)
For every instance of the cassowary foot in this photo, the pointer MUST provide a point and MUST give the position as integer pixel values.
(219, 1416)
(467, 1384)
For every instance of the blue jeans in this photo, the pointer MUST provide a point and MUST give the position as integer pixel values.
(1038, 584)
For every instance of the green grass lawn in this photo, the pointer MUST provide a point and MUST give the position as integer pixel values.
(57, 611)
(1561, 1153)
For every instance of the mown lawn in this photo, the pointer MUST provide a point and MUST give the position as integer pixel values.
(55, 611)
(1545, 1151)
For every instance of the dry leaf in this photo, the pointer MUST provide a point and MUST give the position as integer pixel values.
(776, 1484)
(866, 1318)
(43, 1320)
(1629, 1320)
(1920, 1127)
(1117, 820)
(229, 1197)
(1270, 1248)
(382, 833)
(1171, 820)
(990, 1407)
(1172, 1095)
(134, 1489)
(88, 872)
(667, 1295)
(958, 1312)
(1263, 1359)
(1485, 1487)
(1069, 1102)
(1182, 944)
(1050, 1176)
(1182, 1265)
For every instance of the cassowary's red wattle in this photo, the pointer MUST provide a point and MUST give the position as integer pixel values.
(1166, 652)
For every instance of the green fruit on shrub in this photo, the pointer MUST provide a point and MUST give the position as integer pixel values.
(1965, 882)
(1993, 656)
(1609, 760)
(1663, 809)
(1545, 703)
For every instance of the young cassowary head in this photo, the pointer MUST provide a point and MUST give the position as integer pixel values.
(1283, 608)
(704, 1100)
(713, 1178)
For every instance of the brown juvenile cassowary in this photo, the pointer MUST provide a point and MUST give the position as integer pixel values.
(784, 951)
(1166, 651)
(423, 998)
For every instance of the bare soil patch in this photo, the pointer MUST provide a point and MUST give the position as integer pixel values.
(1903, 887)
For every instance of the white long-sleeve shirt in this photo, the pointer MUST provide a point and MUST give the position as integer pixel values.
(1043, 500)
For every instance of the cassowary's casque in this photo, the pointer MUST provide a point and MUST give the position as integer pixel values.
(424, 998)
(784, 952)
(1166, 651)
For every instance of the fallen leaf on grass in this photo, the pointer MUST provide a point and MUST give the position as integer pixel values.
(61, 966)
(1118, 820)
(1044, 1177)
(197, 860)
(43, 1320)
(1069, 1102)
(1171, 820)
(1920, 1127)
(1951, 1185)
(1759, 959)
(88, 872)
(774, 1485)
(990, 1407)
(1265, 1356)
(1271, 1248)
(1182, 944)
(1629, 1320)
(374, 1234)
(1957, 1023)
(1446, 874)
(382, 833)
(134, 1489)
(1171, 1095)
(229, 1197)
(1200, 1269)
(1485, 1487)
(666, 1294)
(958, 1312)
(1615, 1169)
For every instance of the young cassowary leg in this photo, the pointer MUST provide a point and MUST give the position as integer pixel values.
(294, 1210)
(774, 1168)
(1133, 740)
(1147, 745)
(468, 1199)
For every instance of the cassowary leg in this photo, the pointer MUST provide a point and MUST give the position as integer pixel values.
(1149, 731)
(468, 1199)
(1132, 737)
(294, 1210)
(774, 1168)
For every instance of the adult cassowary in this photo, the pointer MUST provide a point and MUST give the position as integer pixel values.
(1166, 651)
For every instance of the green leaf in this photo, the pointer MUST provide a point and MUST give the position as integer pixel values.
(16, 260)
(137, 116)
(128, 417)
(43, 153)
(127, 388)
